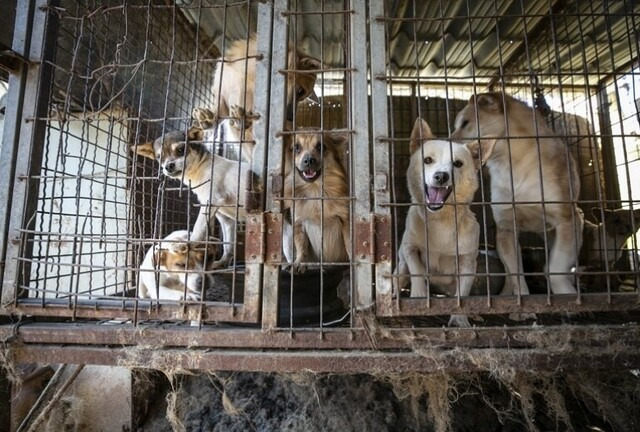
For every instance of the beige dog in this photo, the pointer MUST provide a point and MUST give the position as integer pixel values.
(172, 269)
(219, 183)
(316, 178)
(534, 170)
(441, 243)
(233, 87)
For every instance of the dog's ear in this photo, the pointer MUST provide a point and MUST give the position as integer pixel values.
(481, 151)
(597, 213)
(489, 102)
(195, 134)
(145, 150)
(421, 132)
(159, 256)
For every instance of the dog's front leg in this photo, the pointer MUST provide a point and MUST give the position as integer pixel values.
(287, 241)
(228, 227)
(346, 236)
(464, 282)
(301, 241)
(563, 256)
(417, 269)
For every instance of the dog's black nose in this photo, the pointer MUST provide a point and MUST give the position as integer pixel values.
(309, 161)
(441, 177)
(170, 167)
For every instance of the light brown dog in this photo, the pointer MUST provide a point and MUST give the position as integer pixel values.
(532, 169)
(317, 180)
(441, 237)
(219, 183)
(233, 86)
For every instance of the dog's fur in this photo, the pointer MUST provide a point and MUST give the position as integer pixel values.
(171, 266)
(603, 241)
(233, 86)
(315, 172)
(518, 159)
(219, 183)
(442, 242)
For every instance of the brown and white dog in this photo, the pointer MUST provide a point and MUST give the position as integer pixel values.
(317, 180)
(440, 241)
(173, 269)
(219, 183)
(534, 185)
(233, 85)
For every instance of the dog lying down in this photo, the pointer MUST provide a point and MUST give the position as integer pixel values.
(173, 269)
(440, 242)
(219, 183)
(234, 81)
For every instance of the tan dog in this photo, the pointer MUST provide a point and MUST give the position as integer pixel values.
(441, 243)
(219, 183)
(233, 86)
(316, 178)
(530, 158)
(172, 268)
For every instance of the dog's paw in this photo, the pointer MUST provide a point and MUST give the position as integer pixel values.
(237, 115)
(204, 118)
(221, 263)
(297, 268)
(459, 321)
(193, 296)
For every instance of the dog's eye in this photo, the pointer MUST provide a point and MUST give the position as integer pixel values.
(428, 160)
(300, 92)
(180, 150)
(464, 124)
(458, 164)
(180, 265)
(296, 148)
(319, 146)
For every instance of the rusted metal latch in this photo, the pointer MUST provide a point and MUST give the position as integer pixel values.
(263, 240)
(372, 238)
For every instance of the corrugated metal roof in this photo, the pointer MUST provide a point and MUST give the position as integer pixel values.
(573, 42)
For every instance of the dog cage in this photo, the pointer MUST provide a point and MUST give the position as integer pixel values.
(84, 209)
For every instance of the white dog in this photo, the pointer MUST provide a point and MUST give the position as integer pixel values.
(440, 244)
(171, 269)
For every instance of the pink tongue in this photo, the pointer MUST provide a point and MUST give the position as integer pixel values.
(436, 195)
(309, 173)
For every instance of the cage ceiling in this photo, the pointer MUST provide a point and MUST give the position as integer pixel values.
(562, 42)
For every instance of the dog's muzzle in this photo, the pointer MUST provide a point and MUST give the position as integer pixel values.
(309, 168)
(170, 169)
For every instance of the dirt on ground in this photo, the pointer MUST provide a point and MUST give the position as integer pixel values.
(233, 402)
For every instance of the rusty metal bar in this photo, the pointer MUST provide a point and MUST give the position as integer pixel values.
(173, 335)
(535, 303)
(355, 361)
(360, 161)
(125, 309)
(38, 81)
(278, 46)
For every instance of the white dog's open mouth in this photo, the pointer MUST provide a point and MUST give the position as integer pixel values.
(309, 175)
(437, 196)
